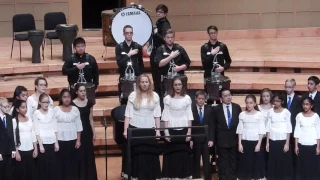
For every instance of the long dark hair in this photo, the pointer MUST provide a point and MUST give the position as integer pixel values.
(310, 101)
(172, 92)
(17, 93)
(76, 88)
(253, 97)
(15, 114)
(61, 94)
(43, 95)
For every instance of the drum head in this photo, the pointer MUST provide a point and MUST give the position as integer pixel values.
(138, 19)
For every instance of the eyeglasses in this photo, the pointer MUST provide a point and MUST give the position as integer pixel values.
(288, 87)
(211, 33)
(6, 107)
(42, 85)
(128, 33)
(177, 85)
(160, 12)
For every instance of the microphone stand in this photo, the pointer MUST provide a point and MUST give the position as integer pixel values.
(105, 145)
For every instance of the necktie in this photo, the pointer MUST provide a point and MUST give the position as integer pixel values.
(289, 102)
(4, 121)
(229, 117)
(200, 115)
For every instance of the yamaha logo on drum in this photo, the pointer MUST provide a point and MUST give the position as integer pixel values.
(132, 13)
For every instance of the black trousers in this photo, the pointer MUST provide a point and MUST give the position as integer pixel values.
(227, 162)
(200, 149)
(6, 167)
(156, 76)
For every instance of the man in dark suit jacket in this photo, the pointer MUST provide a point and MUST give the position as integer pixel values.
(226, 122)
(203, 115)
(7, 146)
(313, 83)
(293, 104)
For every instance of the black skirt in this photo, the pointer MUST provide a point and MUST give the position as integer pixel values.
(307, 163)
(47, 163)
(251, 164)
(177, 158)
(279, 163)
(68, 160)
(145, 163)
(26, 168)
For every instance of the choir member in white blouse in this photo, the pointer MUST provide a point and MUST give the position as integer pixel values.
(41, 85)
(307, 142)
(177, 112)
(143, 111)
(20, 93)
(46, 130)
(251, 129)
(265, 102)
(278, 131)
(69, 135)
(26, 143)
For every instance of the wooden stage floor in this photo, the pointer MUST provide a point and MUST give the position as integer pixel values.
(302, 52)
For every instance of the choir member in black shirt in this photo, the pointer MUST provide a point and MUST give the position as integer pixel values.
(162, 24)
(84, 61)
(203, 115)
(7, 145)
(126, 51)
(313, 83)
(226, 122)
(171, 52)
(210, 49)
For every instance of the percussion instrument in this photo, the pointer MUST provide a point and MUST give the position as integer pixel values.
(106, 17)
(90, 87)
(67, 34)
(214, 84)
(127, 86)
(167, 82)
(136, 17)
(35, 38)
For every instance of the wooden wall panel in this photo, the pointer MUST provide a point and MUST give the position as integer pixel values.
(184, 15)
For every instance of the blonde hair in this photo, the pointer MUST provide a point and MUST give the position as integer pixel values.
(138, 99)
(3, 100)
(292, 81)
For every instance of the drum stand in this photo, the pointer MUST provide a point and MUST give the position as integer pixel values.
(104, 54)
(105, 145)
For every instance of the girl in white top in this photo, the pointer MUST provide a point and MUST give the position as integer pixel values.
(265, 102)
(278, 131)
(45, 126)
(177, 112)
(307, 142)
(41, 85)
(251, 129)
(69, 135)
(19, 93)
(26, 143)
(143, 111)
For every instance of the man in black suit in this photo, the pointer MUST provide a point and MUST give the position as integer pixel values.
(293, 104)
(203, 115)
(313, 83)
(226, 121)
(7, 146)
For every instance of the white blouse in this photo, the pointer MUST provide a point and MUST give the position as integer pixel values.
(177, 111)
(251, 126)
(32, 104)
(144, 116)
(45, 126)
(264, 112)
(279, 124)
(69, 123)
(26, 133)
(307, 129)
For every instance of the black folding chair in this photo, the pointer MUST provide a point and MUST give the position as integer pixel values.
(21, 23)
(117, 115)
(51, 20)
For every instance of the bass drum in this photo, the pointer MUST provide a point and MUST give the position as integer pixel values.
(135, 17)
